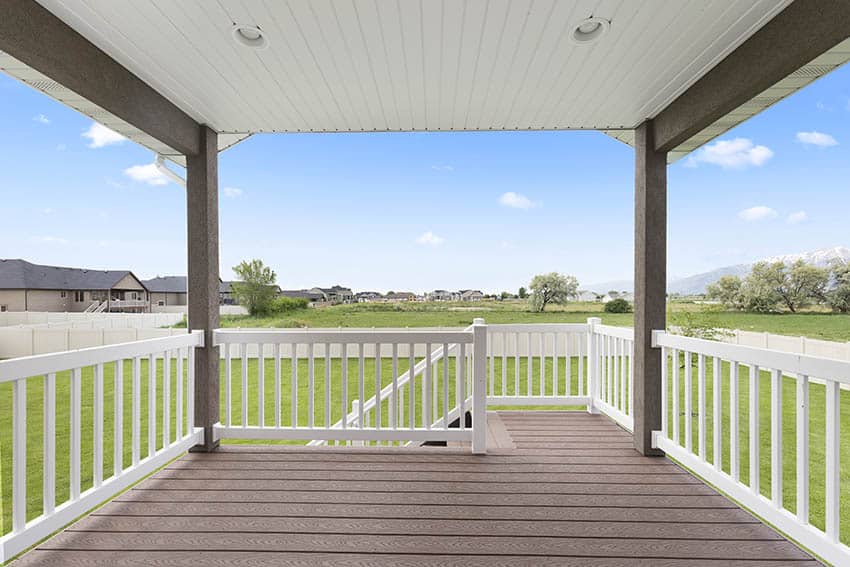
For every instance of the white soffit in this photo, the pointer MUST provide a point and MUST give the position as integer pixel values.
(812, 71)
(366, 65)
(51, 88)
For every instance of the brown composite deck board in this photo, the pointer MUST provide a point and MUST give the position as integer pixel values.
(562, 488)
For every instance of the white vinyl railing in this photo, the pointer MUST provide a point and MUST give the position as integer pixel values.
(144, 370)
(717, 444)
(303, 382)
(612, 354)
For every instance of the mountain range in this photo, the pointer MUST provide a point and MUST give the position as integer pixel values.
(696, 284)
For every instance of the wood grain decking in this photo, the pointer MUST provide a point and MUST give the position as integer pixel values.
(564, 488)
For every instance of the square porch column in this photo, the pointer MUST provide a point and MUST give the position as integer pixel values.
(203, 277)
(650, 284)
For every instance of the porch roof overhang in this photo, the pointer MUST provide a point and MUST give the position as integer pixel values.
(696, 68)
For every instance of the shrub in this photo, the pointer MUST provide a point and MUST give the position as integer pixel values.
(281, 305)
(618, 305)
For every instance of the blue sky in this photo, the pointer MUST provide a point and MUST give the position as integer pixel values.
(422, 211)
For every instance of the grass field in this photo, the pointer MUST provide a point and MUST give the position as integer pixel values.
(816, 324)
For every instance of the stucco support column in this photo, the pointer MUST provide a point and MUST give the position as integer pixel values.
(203, 284)
(650, 283)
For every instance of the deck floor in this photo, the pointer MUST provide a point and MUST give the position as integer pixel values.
(564, 488)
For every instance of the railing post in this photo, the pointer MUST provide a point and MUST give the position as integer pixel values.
(479, 387)
(592, 365)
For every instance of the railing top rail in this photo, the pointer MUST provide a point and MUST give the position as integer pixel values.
(302, 336)
(617, 332)
(538, 328)
(38, 365)
(787, 362)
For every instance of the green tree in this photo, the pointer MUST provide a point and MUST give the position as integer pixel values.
(759, 291)
(551, 288)
(523, 293)
(256, 288)
(838, 296)
(728, 290)
(772, 284)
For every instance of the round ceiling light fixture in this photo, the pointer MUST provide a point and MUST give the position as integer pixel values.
(249, 36)
(590, 30)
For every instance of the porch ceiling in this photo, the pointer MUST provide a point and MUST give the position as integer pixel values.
(418, 65)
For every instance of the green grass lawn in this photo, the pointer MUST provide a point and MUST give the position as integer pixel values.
(816, 324)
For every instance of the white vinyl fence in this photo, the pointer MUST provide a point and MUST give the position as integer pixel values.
(786, 343)
(89, 320)
(17, 342)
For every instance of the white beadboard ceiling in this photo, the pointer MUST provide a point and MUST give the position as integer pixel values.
(423, 65)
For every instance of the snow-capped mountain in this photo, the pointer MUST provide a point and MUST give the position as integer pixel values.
(696, 284)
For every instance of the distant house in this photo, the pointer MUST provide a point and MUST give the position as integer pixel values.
(167, 290)
(25, 286)
(309, 295)
(335, 294)
(368, 296)
(401, 296)
(471, 295)
(586, 295)
(443, 295)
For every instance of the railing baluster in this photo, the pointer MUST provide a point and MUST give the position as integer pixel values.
(516, 368)
(832, 501)
(583, 389)
(568, 365)
(243, 352)
(504, 360)
(701, 405)
(293, 383)
(97, 461)
(754, 429)
(118, 420)
(49, 449)
(179, 392)
(446, 384)
(190, 389)
(529, 369)
(328, 385)
(261, 385)
(542, 341)
(615, 361)
(461, 385)
(734, 425)
(166, 399)
(492, 356)
(776, 437)
(426, 389)
(228, 386)
(378, 386)
(277, 390)
(689, 409)
(76, 431)
(555, 364)
(136, 417)
(802, 449)
(411, 413)
(675, 396)
(717, 415)
(361, 395)
(631, 388)
(344, 394)
(665, 378)
(311, 386)
(19, 455)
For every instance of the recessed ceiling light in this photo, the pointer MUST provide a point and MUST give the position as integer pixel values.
(590, 30)
(249, 36)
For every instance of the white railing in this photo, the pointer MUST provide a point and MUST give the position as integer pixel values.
(322, 373)
(142, 368)
(726, 451)
(612, 354)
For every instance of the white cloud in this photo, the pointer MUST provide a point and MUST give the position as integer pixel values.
(100, 136)
(41, 118)
(52, 240)
(797, 218)
(516, 201)
(147, 173)
(816, 139)
(232, 192)
(430, 239)
(732, 154)
(442, 168)
(758, 213)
